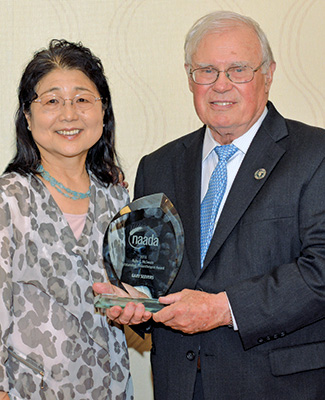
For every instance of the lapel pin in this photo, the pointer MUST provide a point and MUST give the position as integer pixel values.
(260, 174)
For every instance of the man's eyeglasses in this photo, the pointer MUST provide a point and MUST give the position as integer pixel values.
(237, 74)
(53, 102)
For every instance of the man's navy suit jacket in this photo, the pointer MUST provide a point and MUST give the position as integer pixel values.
(267, 253)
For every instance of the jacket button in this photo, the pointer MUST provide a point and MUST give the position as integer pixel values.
(190, 355)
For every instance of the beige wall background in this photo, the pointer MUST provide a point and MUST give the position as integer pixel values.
(140, 43)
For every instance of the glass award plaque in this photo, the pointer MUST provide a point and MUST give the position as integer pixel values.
(143, 246)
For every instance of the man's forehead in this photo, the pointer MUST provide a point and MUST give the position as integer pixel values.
(238, 45)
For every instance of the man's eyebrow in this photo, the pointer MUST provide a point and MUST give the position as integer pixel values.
(233, 64)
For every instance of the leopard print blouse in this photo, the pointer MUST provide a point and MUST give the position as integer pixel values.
(53, 343)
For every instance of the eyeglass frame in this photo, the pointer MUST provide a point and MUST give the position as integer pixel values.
(226, 73)
(73, 103)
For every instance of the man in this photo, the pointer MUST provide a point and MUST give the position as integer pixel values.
(264, 270)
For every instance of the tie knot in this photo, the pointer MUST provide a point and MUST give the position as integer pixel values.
(226, 151)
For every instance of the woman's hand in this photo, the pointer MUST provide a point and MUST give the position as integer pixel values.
(132, 313)
(122, 182)
(108, 288)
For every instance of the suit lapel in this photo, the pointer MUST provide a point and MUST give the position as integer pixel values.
(188, 192)
(263, 154)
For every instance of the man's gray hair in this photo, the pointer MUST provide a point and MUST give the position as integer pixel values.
(220, 21)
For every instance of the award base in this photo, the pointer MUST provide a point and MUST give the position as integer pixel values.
(111, 300)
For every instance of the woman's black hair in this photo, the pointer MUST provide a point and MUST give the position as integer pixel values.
(101, 158)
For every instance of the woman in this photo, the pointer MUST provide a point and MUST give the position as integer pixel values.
(57, 197)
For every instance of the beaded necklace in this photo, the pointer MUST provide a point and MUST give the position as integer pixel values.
(71, 194)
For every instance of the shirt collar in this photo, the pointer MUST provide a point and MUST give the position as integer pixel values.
(242, 143)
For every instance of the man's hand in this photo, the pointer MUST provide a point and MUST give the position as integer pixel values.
(132, 313)
(192, 311)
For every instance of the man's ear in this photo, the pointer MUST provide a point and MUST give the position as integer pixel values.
(269, 76)
(190, 81)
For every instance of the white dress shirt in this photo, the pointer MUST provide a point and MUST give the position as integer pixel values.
(210, 161)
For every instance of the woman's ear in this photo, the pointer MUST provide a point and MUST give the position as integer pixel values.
(27, 116)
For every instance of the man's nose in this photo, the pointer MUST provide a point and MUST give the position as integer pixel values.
(223, 83)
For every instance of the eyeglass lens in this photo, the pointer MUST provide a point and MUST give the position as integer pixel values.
(240, 74)
(52, 102)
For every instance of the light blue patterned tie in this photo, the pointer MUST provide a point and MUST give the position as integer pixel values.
(214, 195)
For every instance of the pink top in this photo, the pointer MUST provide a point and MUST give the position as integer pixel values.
(76, 222)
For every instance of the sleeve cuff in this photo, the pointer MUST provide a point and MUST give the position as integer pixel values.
(233, 319)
